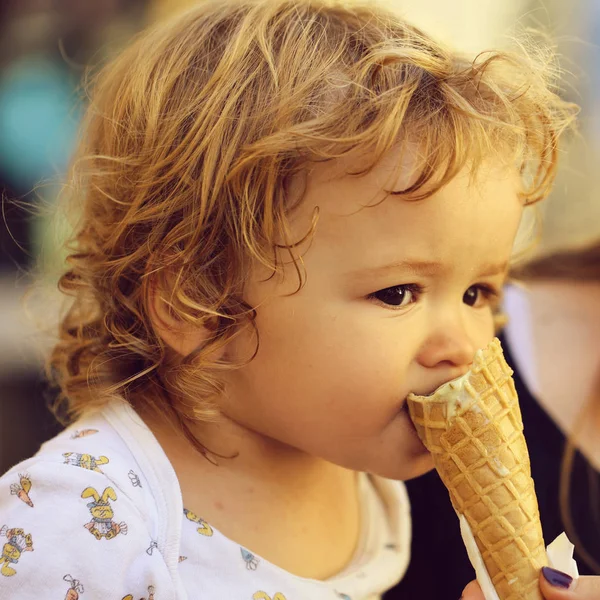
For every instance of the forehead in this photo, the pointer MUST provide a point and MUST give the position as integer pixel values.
(358, 215)
(397, 169)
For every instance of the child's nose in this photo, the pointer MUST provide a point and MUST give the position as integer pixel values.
(449, 347)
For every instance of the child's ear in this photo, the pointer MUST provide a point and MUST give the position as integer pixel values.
(178, 335)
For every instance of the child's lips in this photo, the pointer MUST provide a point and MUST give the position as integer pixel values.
(404, 410)
(412, 429)
(428, 390)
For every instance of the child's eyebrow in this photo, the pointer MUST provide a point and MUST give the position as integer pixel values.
(427, 268)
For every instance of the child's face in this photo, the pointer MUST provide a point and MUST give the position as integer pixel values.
(395, 301)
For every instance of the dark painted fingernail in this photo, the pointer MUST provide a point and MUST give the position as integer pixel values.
(557, 578)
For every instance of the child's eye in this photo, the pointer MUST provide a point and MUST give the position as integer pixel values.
(479, 295)
(398, 295)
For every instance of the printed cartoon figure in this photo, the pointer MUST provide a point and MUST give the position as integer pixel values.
(265, 596)
(83, 433)
(150, 594)
(150, 548)
(75, 589)
(134, 478)
(250, 560)
(85, 461)
(204, 529)
(18, 542)
(21, 489)
(102, 524)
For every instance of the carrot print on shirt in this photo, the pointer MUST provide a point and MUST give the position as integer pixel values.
(18, 542)
(21, 489)
(102, 524)
(75, 589)
(250, 560)
(83, 433)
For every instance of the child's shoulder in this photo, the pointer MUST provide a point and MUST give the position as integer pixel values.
(88, 454)
(77, 515)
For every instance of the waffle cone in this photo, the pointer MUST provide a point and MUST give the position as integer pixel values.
(474, 430)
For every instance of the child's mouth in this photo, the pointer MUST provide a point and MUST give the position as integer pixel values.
(404, 411)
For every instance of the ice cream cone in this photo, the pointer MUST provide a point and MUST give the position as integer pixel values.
(473, 428)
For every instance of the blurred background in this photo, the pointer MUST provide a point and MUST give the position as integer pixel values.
(45, 46)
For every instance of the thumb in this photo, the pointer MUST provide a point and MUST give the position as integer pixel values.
(472, 592)
(556, 585)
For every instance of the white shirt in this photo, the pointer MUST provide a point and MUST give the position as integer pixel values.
(97, 513)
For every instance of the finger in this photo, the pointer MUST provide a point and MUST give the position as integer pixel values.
(556, 585)
(472, 592)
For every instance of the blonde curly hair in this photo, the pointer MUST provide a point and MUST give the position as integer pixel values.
(192, 135)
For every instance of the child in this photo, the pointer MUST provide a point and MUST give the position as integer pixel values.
(293, 213)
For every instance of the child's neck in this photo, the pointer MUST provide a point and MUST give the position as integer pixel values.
(299, 512)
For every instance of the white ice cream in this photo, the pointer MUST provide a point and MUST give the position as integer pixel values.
(460, 397)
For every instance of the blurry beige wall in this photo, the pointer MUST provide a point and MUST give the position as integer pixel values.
(470, 24)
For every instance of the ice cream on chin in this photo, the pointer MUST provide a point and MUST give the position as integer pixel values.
(473, 428)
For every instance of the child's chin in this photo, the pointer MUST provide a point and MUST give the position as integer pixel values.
(407, 469)
(420, 466)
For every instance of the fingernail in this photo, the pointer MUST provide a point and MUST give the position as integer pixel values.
(557, 578)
